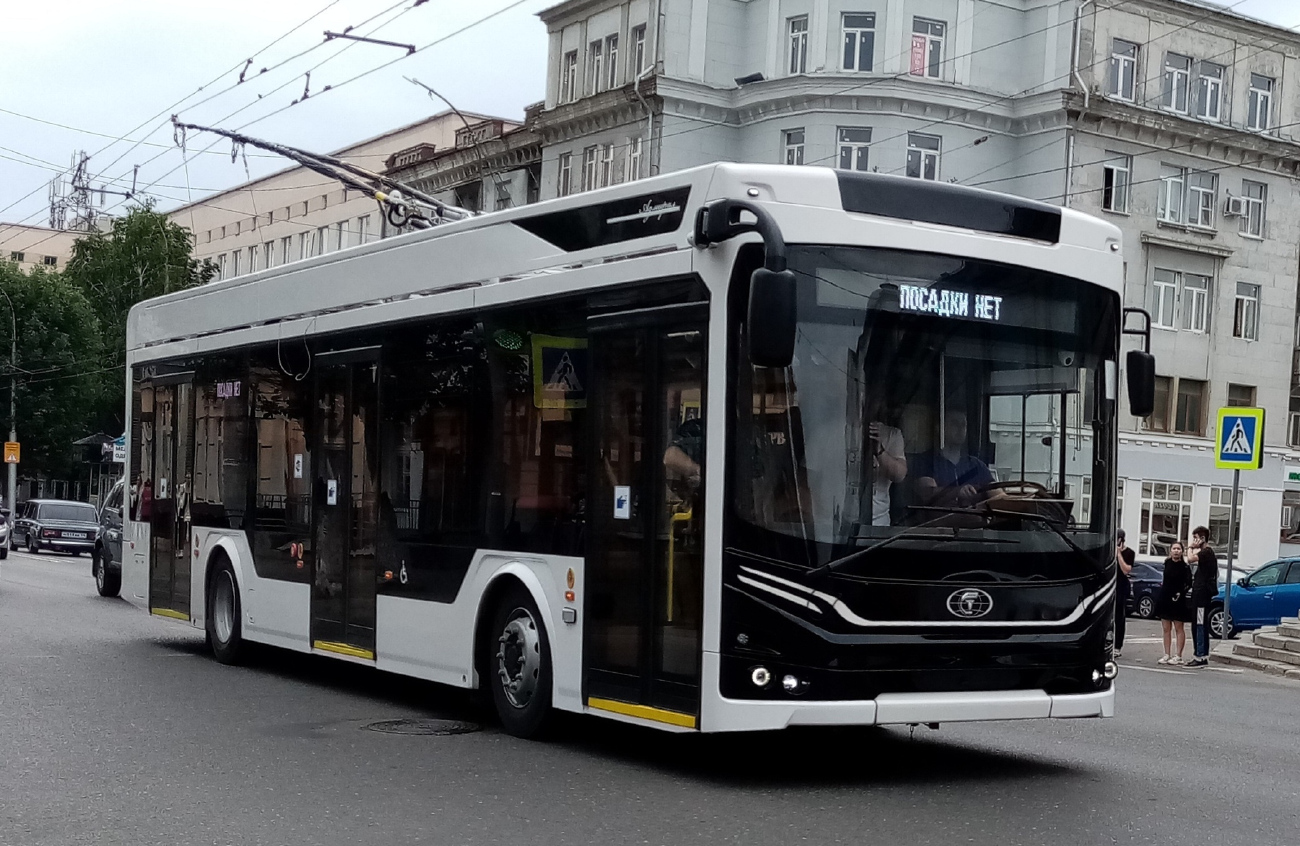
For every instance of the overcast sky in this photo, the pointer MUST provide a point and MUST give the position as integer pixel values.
(109, 67)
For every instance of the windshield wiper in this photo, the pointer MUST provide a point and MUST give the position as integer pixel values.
(908, 533)
(1001, 512)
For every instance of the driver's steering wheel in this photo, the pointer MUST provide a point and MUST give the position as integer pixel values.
(1020, 489)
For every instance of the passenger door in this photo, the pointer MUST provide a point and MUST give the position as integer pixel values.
(110, 523)
(345, 488)
(171, 481)
(1286, 597)
(645, 562)
(1253, 604)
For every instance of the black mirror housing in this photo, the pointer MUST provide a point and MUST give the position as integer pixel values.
(1243, 582)
(1141, 367)
(772, 317)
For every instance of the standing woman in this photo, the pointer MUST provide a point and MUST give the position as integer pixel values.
(1171, 605)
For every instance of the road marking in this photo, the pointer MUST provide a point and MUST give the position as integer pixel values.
(1156, 670)
(1129, 640)
(1226, 670)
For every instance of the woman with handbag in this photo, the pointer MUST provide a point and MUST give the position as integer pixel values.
(1172, 605)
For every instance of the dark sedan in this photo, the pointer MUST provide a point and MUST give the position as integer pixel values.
(56, 524)
(1145, 578)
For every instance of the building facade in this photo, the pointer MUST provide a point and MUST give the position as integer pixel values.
(1170, 118)
(493, 165)
(297, 213)
(36, 246)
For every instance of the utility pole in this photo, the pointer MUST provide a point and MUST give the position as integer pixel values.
(12, 495)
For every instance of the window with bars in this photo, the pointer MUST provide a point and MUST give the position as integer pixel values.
(1254, 199)
(797, 32)
(1177, 81)
(923, 156)
(793, 150)
(1122, 81)
(1245, 312)
(1260, 107)
(1166, 517)
(1116, 176)
(854, 143)
(859, 29)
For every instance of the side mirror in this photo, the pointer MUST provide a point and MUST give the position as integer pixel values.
(772, 318)
(1243, 581)
(1141, 383)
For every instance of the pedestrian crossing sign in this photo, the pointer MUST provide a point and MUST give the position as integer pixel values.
(1240, 439)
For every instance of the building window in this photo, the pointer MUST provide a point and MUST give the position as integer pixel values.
(793, 146)
(1166, 516)
(1173, 185)
(927, 47)
(1245, 313)
(363, 229)
(569, 77)
(252, 260)
(854, 143)
(633, 159)
(1209, 91)
(1254, 198)
(1115, 182)
(1196, 302)
(564, 183)
(798, 30)
(339, 237)
(1178, 77)
(1293, 430)
(859, 41)
(268, 255)
(503, 195)
(1164, 298)
(607, 166)
(286, 249)
(1159, 419)
(1201, 191)
(221, 267)
(1123, 70)
(1261, 102)
(638, 50)
(304, 244)
(590, 162)
(595, 67)
(322, 235)
(17, 256)
(1189, 411)
(611, 61)
(1241, 396)
(234, 262)
(923, 156)
(1220, 514)
(50, 261)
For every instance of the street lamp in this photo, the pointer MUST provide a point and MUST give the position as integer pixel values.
(13, 399)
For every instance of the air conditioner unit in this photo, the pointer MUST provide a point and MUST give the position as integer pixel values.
(1235, 207)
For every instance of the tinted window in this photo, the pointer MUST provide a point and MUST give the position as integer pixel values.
(69, 511)
(220, 495)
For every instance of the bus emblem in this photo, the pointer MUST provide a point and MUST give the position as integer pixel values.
(969, 603)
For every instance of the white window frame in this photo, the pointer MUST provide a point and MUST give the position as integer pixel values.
(925, 152)
(1176, 94)
(607, 176)
(933, 32)
(268, 255)
(564, 175)
(1173, 190)
(1117, 176)
(590, 165)
(340, 229)
(569, 77)
(286, 249)
(234, 262)
(363, 229)
(796, 30)
(1293, 430)
(633, 167)
(1123, 69)
(793, 148)
(1176, 498)
(611, 61)
(638, 50)
(595, 67)
(322, 240)
(1209, 91)
(1253, 218)
(1259, 115)
(221, 267)
(1195, 303)
(859, 31)
(1201, 198)
(1164, 298)
(304, 245)
(854, 147)
(1245, 312)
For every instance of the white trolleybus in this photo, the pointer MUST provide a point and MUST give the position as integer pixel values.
(739, 447)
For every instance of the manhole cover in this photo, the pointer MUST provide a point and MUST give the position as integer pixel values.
(423, 727)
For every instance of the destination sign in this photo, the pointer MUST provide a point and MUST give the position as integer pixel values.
(944, 303)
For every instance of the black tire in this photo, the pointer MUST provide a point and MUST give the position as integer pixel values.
(33, 546)
(4, 551)
(1215, 622)
(224, 613)
(107, 582)
(523, 702)
(1146, 606)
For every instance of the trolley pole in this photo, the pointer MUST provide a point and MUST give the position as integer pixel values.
(1232, 532)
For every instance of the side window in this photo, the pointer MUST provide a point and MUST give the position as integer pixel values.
(1267, 576)
(1293, 575)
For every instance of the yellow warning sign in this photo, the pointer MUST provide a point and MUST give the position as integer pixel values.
(12, 452)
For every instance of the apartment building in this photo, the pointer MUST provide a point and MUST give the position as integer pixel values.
(296, 213)
(1171, 118)
(36, 246)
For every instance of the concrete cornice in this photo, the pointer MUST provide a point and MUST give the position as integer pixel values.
(1211, 18)
(496, 155)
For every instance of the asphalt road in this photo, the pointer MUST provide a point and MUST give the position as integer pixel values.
(117, 728)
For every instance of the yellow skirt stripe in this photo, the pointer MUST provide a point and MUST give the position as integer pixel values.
(645, 712)
(343, 649)
(167, 612)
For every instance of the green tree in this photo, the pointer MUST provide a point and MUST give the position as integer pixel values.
(58, 357)
(144, 255)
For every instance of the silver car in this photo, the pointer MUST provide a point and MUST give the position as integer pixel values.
(56, 524)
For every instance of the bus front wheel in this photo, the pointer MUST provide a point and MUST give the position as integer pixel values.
(518, 664)
(225, 634)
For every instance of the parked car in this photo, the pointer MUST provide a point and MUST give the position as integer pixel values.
(1260, 598)
(1145, 579)
(106, 558)
(56, 524)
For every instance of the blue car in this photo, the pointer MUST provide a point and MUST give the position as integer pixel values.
(1261, 598)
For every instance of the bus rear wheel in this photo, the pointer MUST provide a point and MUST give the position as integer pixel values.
(225, 635)
(518, 665)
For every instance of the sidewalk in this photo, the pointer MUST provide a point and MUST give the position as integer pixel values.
(1273, 649)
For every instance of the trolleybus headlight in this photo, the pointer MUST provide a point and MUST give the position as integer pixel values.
(793, 685)
(760, 676)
